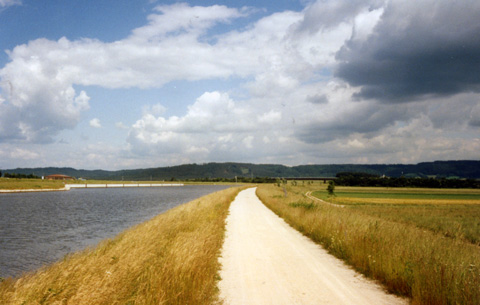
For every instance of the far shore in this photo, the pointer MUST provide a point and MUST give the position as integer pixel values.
(68, 187)
(37, 185)
(33, 190)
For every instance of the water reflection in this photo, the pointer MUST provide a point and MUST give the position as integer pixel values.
(40, 228)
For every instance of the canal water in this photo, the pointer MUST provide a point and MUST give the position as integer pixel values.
(40, 228)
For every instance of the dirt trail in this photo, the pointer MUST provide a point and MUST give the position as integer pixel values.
(265, 261)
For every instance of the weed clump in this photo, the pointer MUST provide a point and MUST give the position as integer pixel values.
(304, 205)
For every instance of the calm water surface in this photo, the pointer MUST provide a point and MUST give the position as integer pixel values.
(40, 228)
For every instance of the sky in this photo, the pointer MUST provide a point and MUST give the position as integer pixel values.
(117, 84)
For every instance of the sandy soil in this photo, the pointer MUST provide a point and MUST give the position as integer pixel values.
(265, 261)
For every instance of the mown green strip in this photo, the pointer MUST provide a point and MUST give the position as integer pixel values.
(395, 195)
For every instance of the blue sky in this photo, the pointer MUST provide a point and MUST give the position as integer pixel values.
(130, 84)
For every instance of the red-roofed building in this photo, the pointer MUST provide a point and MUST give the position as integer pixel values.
(59, 177)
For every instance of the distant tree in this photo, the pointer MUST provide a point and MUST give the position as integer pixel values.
(331, 188)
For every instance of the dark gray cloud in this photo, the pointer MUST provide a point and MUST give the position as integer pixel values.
(475, 122)
(474, 119)
(368, 120)
(418, 48)
(317, 99)
(453, 113)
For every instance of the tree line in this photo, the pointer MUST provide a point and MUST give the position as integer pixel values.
(365, 179)
(19, 176)
(237, 179)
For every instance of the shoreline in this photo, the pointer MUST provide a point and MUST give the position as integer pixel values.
(86, 185)
(32, 190)
(173, 257)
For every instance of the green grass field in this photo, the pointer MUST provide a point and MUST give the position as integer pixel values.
(402, 193)
(451, 212)
(22, 184)
(396, 195)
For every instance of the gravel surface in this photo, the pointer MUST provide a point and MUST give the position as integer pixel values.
(265, 261)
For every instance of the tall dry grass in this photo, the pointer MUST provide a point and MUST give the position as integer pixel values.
(171, 259)
(427, 267)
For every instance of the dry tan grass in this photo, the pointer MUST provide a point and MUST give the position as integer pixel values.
(408, 260)
(171, 259)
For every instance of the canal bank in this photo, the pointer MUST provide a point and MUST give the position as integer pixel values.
(38, 228)
(68, 187)
(120, 185)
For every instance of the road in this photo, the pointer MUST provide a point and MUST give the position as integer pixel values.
(265, 261)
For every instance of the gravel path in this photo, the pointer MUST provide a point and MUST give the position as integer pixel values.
(265, 261)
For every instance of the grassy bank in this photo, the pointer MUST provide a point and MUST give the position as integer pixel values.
(409, 260)
(38, 184)
(120, 182)
(22, 184)
(171, 259)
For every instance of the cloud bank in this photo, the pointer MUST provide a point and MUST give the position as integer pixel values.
(340, 81)
(417, 49)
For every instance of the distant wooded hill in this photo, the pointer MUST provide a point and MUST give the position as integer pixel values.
(437, 169)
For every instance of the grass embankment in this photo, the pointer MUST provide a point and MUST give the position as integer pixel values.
(120, 182)
(39, 184)
(23, 184)
(411, 261)
(171, 259)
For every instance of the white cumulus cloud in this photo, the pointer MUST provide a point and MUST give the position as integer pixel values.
(95, 123)
(6, 3)
(301, 93)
